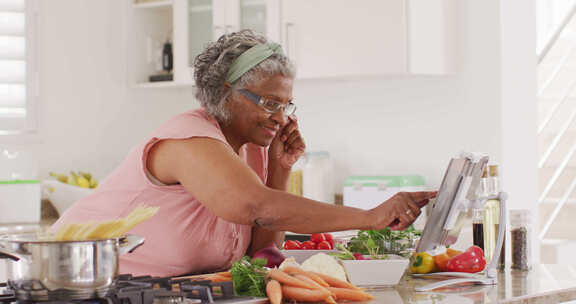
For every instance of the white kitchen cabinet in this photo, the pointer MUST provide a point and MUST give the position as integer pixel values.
(208, 20)
(198, 22)
(149, 25)
(328, 38)
(325, 38)
(431, 36)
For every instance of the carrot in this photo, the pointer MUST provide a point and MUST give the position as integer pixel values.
(303, 294)
(219, 278)
(330, 300)
(317, 279)
(304, 278)
(293, 269)
(287, 279)
(308, 280)
(225, 274)
(350, 294)
(274, 292)
(334, 282)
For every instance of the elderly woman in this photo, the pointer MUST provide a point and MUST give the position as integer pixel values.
(219, 173)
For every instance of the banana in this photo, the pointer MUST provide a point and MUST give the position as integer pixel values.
(61, 177)
(87, 175)
(83, 182)
(93, 183)
(73, 179)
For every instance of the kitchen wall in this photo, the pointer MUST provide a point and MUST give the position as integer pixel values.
(89, 117)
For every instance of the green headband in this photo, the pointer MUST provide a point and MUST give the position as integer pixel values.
(250, 58)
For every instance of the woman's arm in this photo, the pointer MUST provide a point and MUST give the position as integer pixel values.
(277, 179)
(229, 188)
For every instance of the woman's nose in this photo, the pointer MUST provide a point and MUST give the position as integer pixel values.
(279, 117)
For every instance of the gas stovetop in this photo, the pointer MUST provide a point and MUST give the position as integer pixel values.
(147, 290)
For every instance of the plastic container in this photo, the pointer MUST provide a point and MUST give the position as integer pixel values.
(295, 179)
(20, 194)
(521, 234)
(20, 201)
(317, 177)
(367, 192)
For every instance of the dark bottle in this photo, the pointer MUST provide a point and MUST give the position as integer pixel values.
(167, 58)
(478, 216)
(478, 228)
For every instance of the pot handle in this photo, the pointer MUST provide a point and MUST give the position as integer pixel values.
(4, 254)
(129, 243)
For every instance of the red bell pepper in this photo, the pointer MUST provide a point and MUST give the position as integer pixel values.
(471, 260)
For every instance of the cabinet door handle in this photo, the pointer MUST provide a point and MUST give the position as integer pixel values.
(290, 48)
(218, 31)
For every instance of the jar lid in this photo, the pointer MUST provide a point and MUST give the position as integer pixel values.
(519, 216)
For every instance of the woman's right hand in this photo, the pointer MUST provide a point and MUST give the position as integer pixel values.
(401, 210)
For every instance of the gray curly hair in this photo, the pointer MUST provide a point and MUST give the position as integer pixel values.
(212, 65)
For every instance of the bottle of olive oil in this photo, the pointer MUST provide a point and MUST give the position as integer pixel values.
(492, 217)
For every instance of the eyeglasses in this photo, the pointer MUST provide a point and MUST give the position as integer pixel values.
(269, 105)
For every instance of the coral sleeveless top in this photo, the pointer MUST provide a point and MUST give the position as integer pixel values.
(183, 237)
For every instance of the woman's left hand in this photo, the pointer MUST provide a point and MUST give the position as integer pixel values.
(287, 146)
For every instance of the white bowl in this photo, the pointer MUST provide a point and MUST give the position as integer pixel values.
(375, 272)
(62, 195)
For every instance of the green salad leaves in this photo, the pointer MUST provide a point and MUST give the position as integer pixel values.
(385, 241)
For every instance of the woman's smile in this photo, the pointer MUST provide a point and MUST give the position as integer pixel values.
(270, 131)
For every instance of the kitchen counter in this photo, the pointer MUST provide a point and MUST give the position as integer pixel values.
(543, 284)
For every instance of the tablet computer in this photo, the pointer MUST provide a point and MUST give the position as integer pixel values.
(451, 208)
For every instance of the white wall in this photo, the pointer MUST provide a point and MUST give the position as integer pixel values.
(519, 111)
(89, 117)
(386, 125)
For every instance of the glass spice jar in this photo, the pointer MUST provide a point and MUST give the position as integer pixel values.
(520, 239)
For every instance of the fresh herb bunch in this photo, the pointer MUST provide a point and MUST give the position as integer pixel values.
(385, 241)
(249, 277)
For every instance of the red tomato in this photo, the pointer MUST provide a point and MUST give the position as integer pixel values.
(329, 238)
(292, 245)
(324, 245)
(308, 245)
(317, 237)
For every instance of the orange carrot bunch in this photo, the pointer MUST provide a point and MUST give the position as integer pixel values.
(294, 283)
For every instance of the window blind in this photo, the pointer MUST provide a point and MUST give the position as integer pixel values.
(14, 65)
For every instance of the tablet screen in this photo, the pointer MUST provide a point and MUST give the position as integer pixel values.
(461, 180)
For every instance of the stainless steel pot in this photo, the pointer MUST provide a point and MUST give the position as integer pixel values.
(43, 270)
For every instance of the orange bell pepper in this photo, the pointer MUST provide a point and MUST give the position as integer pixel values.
(452, 252)
(441, 260)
